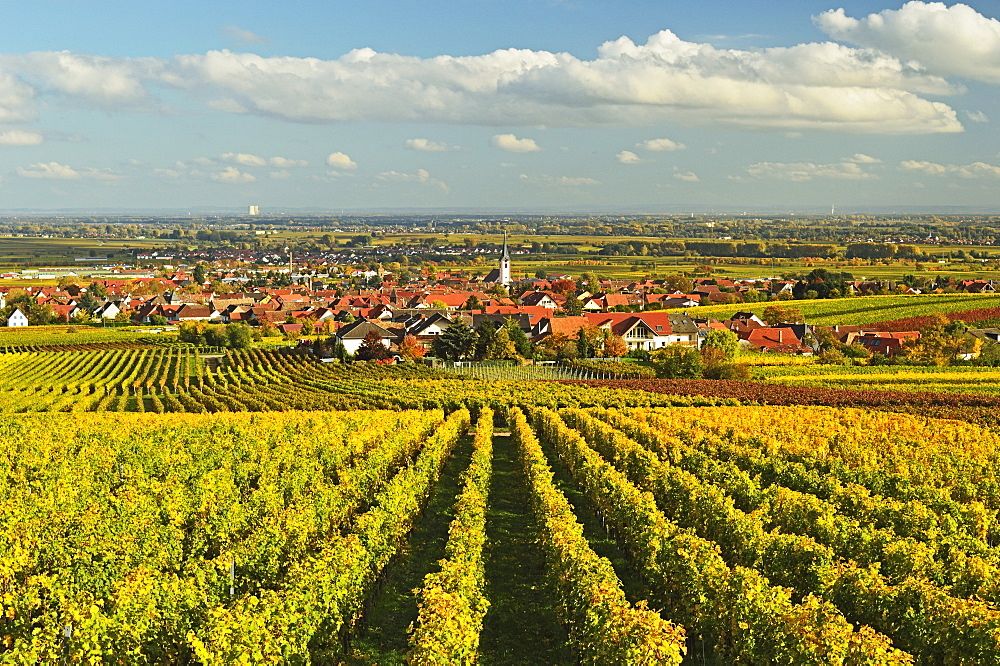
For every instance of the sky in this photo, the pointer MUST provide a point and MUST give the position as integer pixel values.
(501, 105)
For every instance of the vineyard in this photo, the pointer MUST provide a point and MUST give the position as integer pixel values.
(260, 506)
(863, 310)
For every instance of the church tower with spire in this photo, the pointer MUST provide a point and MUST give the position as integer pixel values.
(505, 263)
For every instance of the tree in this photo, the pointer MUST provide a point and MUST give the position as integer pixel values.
(473, 303)
(584, 347)
(940, 343)
(778, 314)
(158, 320)
(97, 290)
(191, 331)
(573, 306)
(200, 274)
(411, 349)
(372, 349)
(338, 350)
(87, 302)
(501, 347)
(541, 274)
(238, 335)
(457, 343)
(520, 339)
(308, 327)
(485, 333)
(676, 362)
(615, 346)
(677, 282)
(727, 342)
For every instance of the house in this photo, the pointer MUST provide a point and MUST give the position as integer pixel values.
(353, 335)
(649, 330)
(17, 319)
(779, 339)
(885, 342)
(539, 299)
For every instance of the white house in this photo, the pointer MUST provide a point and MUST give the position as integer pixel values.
(17, 319)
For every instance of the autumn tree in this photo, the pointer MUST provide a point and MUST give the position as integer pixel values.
(615, 346)
(411, 349)
(372, 348)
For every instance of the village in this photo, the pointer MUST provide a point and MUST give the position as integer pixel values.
(362, 308)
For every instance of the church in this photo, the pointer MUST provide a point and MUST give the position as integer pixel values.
(501, 275)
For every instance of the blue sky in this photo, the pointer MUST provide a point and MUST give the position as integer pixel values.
(501, 104)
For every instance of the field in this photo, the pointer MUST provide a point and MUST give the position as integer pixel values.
(60, 336)
(289, 510)
(862, 309)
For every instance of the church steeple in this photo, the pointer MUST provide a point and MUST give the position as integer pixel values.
(505, 263)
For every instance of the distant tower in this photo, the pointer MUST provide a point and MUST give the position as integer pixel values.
(253, 210)
(833, 209)
(505, 263)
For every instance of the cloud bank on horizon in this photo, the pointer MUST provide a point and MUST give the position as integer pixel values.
(890, 73)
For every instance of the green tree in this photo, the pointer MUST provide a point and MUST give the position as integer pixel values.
(727, 342)
(520, 339)
(573, 306)
(457, 343)
(238, 335)
(501, 347)
(200, 274)
(485, 333)
(676, 362)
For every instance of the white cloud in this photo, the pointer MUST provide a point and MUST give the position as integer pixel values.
(280, 175)
(660, 145)
(799, 172)
(954, 40)
(558, 181)
(20, 138)
(245, 36)
(111, 83)
(512, 144)
(977, 116)
(233, 176)
(421, 177)
(428, 146)
(628, 157)
(243, 159)
(687, 176)
(340, 161)
(285, 163)
(815, 86)
(57, 171)
(861, 158)
(974, 170)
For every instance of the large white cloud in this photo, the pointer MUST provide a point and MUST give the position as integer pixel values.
(112, 83)
(954, 40)
(810, 86)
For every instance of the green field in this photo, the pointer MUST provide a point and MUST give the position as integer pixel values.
(860, 310)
